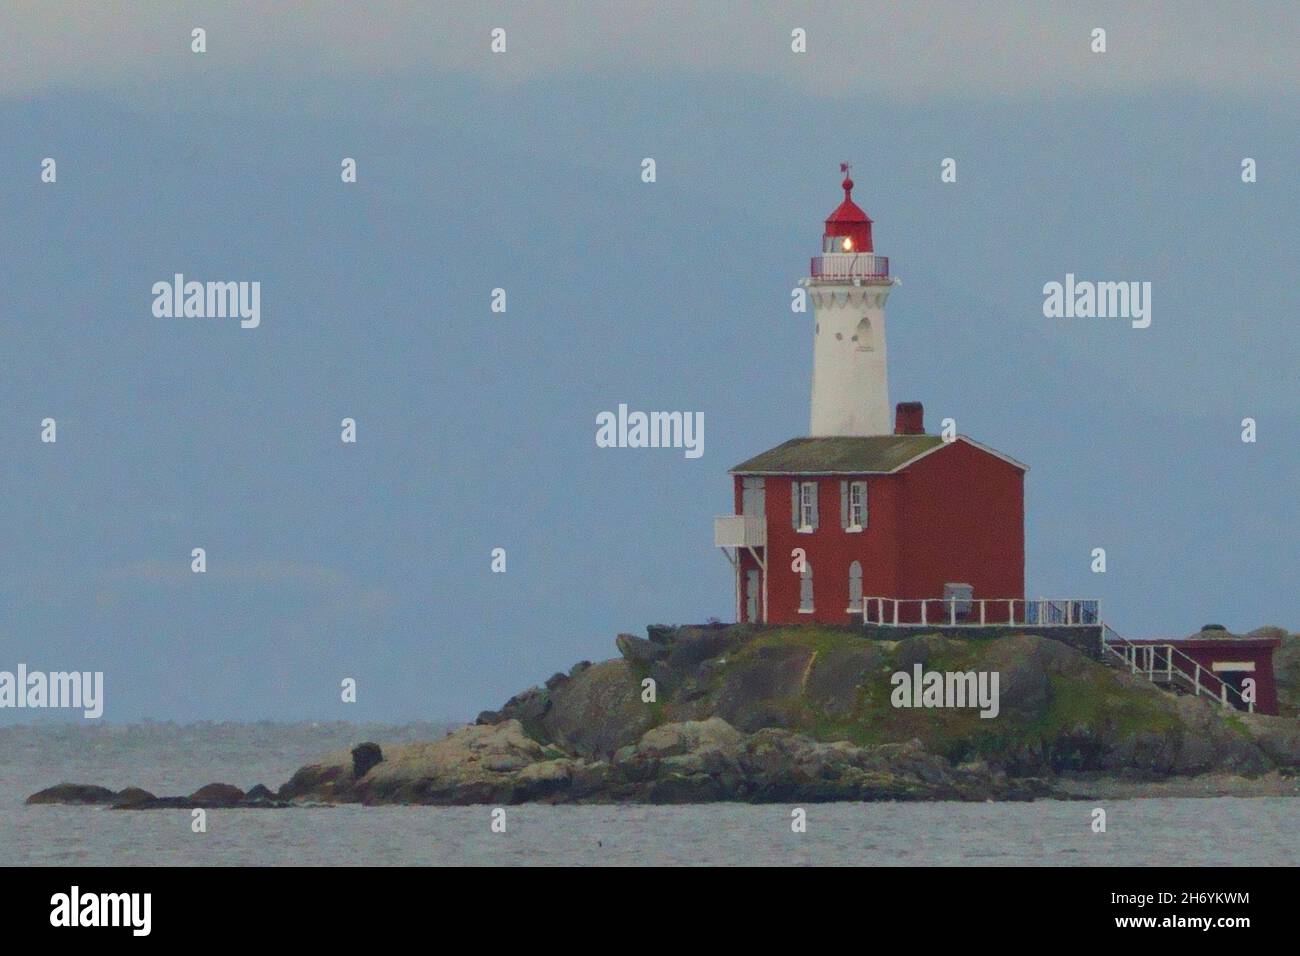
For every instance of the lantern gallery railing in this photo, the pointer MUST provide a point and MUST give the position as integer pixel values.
(968, 612)
(849, 266)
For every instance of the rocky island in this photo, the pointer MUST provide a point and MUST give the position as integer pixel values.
(765, 714)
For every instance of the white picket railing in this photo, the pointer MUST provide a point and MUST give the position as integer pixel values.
(980, 612)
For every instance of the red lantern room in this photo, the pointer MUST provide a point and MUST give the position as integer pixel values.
(848, 229)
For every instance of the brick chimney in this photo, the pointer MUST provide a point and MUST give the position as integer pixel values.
(909, 419)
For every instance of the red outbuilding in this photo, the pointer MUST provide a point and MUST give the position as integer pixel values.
(1238, 670)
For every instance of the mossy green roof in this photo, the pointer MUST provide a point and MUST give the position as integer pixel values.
(872, 454)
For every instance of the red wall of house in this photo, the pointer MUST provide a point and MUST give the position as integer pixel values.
(830, 549)
(964, 514)
(955, 515)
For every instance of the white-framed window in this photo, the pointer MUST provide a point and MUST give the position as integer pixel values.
(853, 505)
(806, 589)
(855, 587)
(857, 504)
(803, 495)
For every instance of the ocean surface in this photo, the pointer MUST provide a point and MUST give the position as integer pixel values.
(177, 759)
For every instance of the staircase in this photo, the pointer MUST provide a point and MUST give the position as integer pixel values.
(1166, 666)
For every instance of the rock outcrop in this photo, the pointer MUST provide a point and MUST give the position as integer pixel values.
(787, 714)
(1059, 711)
(1277, 737)
(211, 796)
(365, 756)
(74, 793)
(1286, 669)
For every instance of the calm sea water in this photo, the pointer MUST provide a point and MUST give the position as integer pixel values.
(173, 759)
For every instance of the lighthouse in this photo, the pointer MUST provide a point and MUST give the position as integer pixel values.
(869, 509)
(900, 531)
(848, 284)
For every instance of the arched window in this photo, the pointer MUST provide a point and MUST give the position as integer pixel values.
(806, 588)
(862, 335)
(855, 586)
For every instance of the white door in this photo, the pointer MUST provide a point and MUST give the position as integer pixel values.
(752, 497)
(753, 594)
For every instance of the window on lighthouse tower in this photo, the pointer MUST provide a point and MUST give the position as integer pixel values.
(862, 335)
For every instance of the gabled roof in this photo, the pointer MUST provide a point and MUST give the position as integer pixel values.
(851, 455)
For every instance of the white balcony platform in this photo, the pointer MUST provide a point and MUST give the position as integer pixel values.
(739, 531)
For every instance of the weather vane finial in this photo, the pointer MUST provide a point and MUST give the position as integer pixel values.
(847, 185)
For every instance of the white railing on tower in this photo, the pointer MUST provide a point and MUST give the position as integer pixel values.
(845, 265)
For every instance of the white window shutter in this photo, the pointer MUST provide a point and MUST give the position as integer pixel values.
(814, 505)
(844, 504)
(863, 493)
(794, 504)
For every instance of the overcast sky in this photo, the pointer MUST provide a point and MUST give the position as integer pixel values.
(522, 171)
(854, 49)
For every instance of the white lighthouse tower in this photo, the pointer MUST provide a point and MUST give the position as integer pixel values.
(848, 286)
